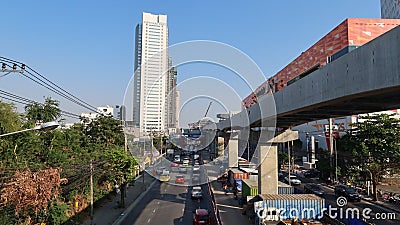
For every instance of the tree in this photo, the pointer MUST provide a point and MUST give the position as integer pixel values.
(283, 157)
(10, 121)
(9, 118)
(374, 144)
(45, 112)
(121, 168)
(323, 165)
(27, 190)
(105, 129)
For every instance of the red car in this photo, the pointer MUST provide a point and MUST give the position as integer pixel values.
(179, 179)
(201, 216)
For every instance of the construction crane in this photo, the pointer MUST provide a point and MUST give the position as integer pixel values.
(207, 109)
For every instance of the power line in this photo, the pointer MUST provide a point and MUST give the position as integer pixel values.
(58, 90)
(49, 87)
(25, 101)
(61, 88)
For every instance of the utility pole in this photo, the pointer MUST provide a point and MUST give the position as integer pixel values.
(336, 167)
(330, 146)
(289, 162)
(293, 153)
(91, 192)
(144, 162)
(15, 68)
(162, 139)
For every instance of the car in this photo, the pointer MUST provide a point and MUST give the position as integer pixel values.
(197, 193)
(185, 162)
(196, 156)
(395, 198)
(196, 178)
(182, 169)
(312, 173)
(201, 217)
(160, 170)
(347, 192)
(174, 167)
(313, 189)
(293, 180)
(281, 176)
(179, 179)
(164, 177)
(177, 158)
(196, 169)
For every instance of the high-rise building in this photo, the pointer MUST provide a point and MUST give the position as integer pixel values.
(171, 95)
(177, 107)
(390, 9)
(120, 112)
(151, 73)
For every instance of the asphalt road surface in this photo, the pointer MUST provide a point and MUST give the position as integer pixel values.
(378, 215)
(167, 203)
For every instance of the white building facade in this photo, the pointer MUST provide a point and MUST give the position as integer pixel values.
(151, 74)
(101, 110)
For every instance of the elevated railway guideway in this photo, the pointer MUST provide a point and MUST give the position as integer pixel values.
(365, 80)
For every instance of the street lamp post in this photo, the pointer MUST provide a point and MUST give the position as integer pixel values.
(307, 150)
(336, 165)
(42, 127)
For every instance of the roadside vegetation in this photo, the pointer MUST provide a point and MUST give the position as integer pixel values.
(371, 150)
(44, 176)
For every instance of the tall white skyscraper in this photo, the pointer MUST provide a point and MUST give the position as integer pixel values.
(151, 73)
(390, 9)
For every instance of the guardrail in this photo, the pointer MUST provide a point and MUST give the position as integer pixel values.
(217, 216)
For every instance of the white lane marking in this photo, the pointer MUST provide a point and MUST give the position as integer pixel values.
(228, 206)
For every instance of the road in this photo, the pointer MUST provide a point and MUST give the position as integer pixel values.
(376, 210)
(168, 203)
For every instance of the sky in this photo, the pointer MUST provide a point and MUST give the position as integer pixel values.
(87, 47)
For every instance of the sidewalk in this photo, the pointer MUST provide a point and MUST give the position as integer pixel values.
(383, 204)
(229, 209)
(109, 211)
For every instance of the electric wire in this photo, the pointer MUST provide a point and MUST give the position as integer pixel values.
(15, 98)
(61, 88)
(57, 92)
(63, 92)
(47, 86)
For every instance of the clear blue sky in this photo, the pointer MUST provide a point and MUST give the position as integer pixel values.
(87, 46)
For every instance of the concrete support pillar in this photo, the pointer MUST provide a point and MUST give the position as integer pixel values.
(268, 169)
(233, 149)
(268, 159)
(220, 146)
